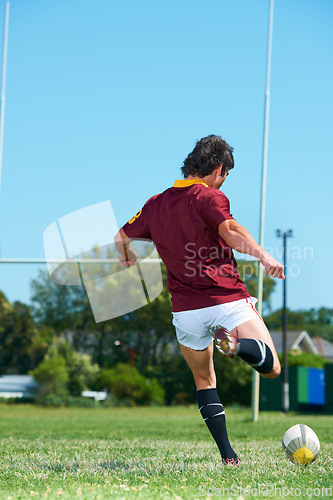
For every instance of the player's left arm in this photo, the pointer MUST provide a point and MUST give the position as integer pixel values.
(128, 256)
(238, 238)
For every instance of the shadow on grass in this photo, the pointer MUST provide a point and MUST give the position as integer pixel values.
(137, 467)
(59, 467)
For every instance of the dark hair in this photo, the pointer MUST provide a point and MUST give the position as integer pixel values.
(208, 154)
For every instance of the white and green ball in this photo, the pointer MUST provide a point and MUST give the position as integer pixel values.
(301, 444)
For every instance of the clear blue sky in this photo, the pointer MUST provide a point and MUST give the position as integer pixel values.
(105, 99)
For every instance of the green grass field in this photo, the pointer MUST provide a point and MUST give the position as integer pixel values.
(153, 453)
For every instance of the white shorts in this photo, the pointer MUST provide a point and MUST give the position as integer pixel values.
(193, 328)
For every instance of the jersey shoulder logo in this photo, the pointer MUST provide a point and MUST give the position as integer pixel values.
(135, 217)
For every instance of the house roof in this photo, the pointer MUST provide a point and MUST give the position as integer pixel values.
(325, 348)
(294, 339)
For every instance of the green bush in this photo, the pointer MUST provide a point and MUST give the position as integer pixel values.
(52, 400)
(299, 358)
(63, 373)
(81, 373)
(69, 402)
(129, 387)
(13, 401)
(52, 377)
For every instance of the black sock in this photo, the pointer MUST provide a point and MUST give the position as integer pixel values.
(213, 414)
(257, 354)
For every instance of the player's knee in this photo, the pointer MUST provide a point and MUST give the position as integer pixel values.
(276, 369)
(275, 372)
(204, 380)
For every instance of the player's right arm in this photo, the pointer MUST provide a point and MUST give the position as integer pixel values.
(137, 228)
(238, 238)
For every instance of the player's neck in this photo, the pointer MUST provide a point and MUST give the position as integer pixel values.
(208, 179)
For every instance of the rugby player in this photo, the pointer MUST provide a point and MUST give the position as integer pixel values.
(194, 233)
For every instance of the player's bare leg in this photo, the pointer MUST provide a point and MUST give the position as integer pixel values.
(210, 406)
(201, 365)
(256, 329)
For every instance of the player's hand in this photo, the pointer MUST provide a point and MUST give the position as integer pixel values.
(273, 268)
(131, 260)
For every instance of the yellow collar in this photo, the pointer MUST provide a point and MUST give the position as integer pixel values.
(188, 182)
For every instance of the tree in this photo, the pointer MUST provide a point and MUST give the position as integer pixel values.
(296, 320)
(22, 345)
(62, 307)
(317, 322)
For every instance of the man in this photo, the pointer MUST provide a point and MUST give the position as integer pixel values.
(194, 233)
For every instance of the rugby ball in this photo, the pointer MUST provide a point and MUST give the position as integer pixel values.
(301, 444)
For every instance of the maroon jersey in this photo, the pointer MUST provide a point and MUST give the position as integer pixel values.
(183, 223)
